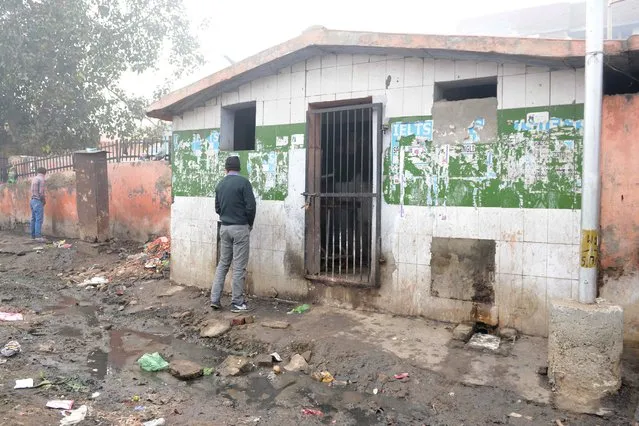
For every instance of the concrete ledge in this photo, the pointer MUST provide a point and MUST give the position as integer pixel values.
(584, 353)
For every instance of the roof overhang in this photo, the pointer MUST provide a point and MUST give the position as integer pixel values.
(553, 53)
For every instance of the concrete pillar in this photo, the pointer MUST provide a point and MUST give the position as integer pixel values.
(584, 353)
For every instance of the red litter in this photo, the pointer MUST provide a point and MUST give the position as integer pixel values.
(401, 376)
(312, 412)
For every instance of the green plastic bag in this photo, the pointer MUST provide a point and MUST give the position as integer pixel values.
(152, 362)
(300, 309)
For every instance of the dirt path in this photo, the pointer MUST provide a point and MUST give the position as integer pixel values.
(85, 339)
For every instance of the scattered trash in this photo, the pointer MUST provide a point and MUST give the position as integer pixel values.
(94, 281)
(323, 376)
(74, 416)
(451, 394)
(375, 391)
(277, 369)
(62, 244)
(158, 253)
(276, 357)
(23, 384)
(10, 349)
(135, 398)
(156, 422)
(312, 412)
(207, 371)
(400, 376)
(152, 362)
(300, 309)
(484, 341)
(138, 408)
(11, 316)
(515, 415)
(559, 422)
(94, 395)
(61, 404)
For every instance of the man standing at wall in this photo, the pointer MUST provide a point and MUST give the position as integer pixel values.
(235, 204)
(37, 204)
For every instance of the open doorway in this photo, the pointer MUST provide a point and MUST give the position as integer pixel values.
(341, 232)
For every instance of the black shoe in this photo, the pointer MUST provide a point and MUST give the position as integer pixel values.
(216, 306)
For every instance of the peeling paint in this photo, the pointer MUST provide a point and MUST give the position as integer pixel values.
(535, 163)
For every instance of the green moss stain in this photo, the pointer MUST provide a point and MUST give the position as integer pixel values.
(198, 162)
(534, 163)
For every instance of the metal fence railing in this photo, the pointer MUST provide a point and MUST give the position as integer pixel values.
(151, 150)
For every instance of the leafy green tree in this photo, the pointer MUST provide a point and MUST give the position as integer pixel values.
(61, 63)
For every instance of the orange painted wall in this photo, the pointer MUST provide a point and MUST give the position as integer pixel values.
(620, 184)
(620, 208)
(139, 202)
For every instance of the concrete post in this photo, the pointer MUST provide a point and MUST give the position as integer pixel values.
(591, 181)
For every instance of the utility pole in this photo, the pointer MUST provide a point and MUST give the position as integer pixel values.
(591, 180)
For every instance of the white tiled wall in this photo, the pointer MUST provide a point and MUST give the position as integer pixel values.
(536, 250)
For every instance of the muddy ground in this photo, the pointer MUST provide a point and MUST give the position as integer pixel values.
(86, 339)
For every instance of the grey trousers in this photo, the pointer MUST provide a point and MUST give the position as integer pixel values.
(234, 246)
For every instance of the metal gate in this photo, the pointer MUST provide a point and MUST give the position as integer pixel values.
(343, 194)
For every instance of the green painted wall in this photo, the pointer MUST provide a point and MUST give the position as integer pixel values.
(198, 162)
(536, 165)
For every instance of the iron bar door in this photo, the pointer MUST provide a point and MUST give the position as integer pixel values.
(343, 194)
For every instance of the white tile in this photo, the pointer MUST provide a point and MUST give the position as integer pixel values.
(328, 81)
(536, 225)
(407, 248)
(467, 225)
(313, 82)
(489, 223)
(560, 226)
(514, 69)
(230, 98)
(298, 66)
(413, 104)
(298, 84)
(514, 91)
(377, 75)
(428, 93)
(536, 70)
(465, 70)
(298, 110)
(270, 113)
(508, 290)
(344, 79)
(407, 278)
(395, 69)
(329, 61)
(413, 72)
(429, 72)
(510, 257)
(259, 113)
(576, 226)
(257, 89)
(245, 92)
(533, 307)
(378, 58)
(344, 59)
(562, 87)
(212, 116)
(423, 249)
(560, 259)
(575, 289)
(360, 77)
(559, 289)
(444, 70)
(283, 107)
(395, 102)
(270, 87)
(360, 59)
(575, 262)
(580, 89)
(423, 279)
(314, 63)
(537, 89)
(512, 224)
(328, 97)
(313, 99)
(284, 86)
(535, 259)
(486, 69)
(284, 70)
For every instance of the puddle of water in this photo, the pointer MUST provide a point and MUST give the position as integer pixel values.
(98, 363)
(126, 344)
(69, 303)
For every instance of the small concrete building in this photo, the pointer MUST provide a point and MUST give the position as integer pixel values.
(421, 175)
